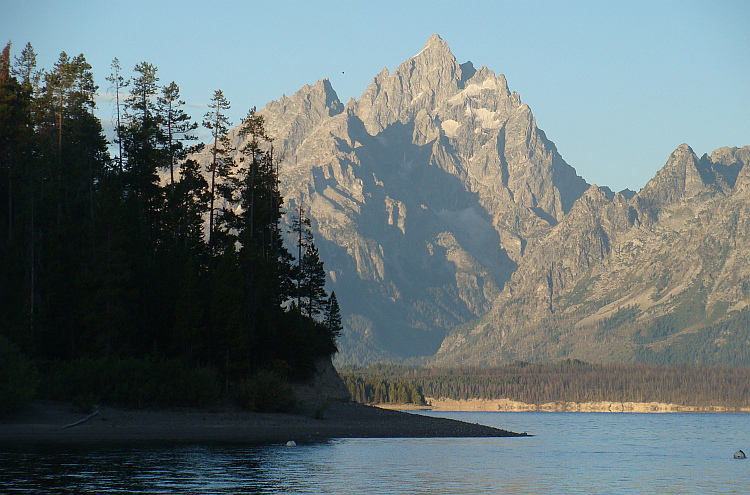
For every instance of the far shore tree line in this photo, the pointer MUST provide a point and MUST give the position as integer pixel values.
(565, 381)
(110, 283)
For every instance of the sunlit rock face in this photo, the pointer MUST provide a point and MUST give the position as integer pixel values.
(662, 276)
(424, 194)
(450, 224)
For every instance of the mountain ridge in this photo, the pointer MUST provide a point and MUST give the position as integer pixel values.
(445, 216)
(672, 272)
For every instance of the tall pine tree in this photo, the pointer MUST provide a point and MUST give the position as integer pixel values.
(216, 121)
(177, 126)
(118, 86)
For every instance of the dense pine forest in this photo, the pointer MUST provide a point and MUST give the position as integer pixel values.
(113, 287)
(566, 381)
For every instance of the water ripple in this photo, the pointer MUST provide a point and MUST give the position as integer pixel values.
(569, 454)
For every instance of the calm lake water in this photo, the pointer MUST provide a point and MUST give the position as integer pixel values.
(570, 453)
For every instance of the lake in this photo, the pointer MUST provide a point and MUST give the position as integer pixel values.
(587, 453)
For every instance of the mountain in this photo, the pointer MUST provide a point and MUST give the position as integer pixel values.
(424, 193)
(452, 228)
(662, 277)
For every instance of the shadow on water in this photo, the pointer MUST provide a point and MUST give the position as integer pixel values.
(157, 469)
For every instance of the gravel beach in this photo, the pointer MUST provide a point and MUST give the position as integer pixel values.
(46, 423)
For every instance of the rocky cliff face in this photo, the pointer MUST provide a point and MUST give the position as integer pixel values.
(661, 277)
(424, 194)
(449, 223)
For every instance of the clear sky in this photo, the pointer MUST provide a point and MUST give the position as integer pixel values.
(617, 86)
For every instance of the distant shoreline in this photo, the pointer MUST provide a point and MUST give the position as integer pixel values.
(507, 405)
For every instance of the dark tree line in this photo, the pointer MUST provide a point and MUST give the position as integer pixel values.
(109, 257)
(571, 381)
(381, 390)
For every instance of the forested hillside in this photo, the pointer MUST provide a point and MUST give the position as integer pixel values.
(110, 282)
(565, 381)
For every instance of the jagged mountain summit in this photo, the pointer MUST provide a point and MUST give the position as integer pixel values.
(452, 229)
(424, 195)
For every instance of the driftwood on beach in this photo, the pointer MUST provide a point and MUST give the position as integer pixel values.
(95, 413)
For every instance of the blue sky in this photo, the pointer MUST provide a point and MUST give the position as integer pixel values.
(617, 86)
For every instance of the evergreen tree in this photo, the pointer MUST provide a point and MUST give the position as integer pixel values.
(255, 191)
(118, 84)
(17, 142)
(68, 166)
(25, 69)
(260, 181)
(313, 281)
(218, 123)
(150, 237)
(300, 228)
(58, 86)
(143, 139)
(309, 273)
(191, 192)
(250, 219)
(176, 126)
(16, 139)
(151, 233)
(332, 318)
(5, 64)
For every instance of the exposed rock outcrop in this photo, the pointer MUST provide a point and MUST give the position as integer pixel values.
(326, 385)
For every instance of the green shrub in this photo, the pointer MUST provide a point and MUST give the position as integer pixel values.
(18, 378)
(266, 391)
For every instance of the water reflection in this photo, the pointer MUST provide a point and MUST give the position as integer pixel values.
(138, 470)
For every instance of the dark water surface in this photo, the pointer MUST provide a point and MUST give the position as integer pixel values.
(570, 453)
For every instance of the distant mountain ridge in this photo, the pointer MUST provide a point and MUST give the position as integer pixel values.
(450, 224)
(662, 277)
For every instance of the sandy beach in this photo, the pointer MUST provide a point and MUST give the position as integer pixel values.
(45, 424)
(507, 405)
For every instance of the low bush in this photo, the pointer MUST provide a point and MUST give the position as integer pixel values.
(266, 391)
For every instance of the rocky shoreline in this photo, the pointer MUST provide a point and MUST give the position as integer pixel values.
(46, 424)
